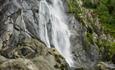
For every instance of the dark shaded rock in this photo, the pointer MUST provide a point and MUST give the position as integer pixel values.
(113, 58)
(73, 68)
(49, 1)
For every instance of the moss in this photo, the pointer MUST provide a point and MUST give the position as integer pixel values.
(90, 3)
(103, 8)
(106, 49)
(107, 18)
(112, 48)
(88, 41)
(74, 8)
(89, 37)
(87, 14)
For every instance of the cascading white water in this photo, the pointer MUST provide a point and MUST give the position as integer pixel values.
(53, 27)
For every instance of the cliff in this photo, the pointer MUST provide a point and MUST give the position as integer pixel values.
(94, 32)
(57, 35)
(20, 45)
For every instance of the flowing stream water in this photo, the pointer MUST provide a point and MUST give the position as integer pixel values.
(53, 29)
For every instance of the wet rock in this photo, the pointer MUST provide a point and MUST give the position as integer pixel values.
(74, 68)
(49, 1)
(113, 58)
(105, 66)
(20, 45)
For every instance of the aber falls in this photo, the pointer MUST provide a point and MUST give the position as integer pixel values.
(56, 35)
(53, 29)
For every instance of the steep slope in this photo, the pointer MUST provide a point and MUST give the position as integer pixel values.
(92, 36)
(57, 35)
(31, 54)
(21, 46)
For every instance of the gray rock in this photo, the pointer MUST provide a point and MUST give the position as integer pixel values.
(32, 52)
(20, 45)
(105, 66)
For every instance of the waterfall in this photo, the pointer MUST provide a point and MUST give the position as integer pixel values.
(53, 29)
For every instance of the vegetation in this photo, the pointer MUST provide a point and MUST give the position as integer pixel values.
(89, 37)
(105, 11)
(74, 8)
(106, 49)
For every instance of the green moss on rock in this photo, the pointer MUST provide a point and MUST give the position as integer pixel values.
(98, 18)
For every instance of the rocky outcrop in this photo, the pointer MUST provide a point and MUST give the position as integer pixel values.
(20, 44)
(85, 54)
(22, 49)
(90, 44)
(31, 54)
(105, 66)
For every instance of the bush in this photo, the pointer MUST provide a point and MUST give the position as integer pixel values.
(90, 3)
(106, 10)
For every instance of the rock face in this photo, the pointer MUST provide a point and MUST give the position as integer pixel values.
(89, 43)
(105, 66)
(31, 54)
(84, 56)
(29, 27)
(20, 44)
